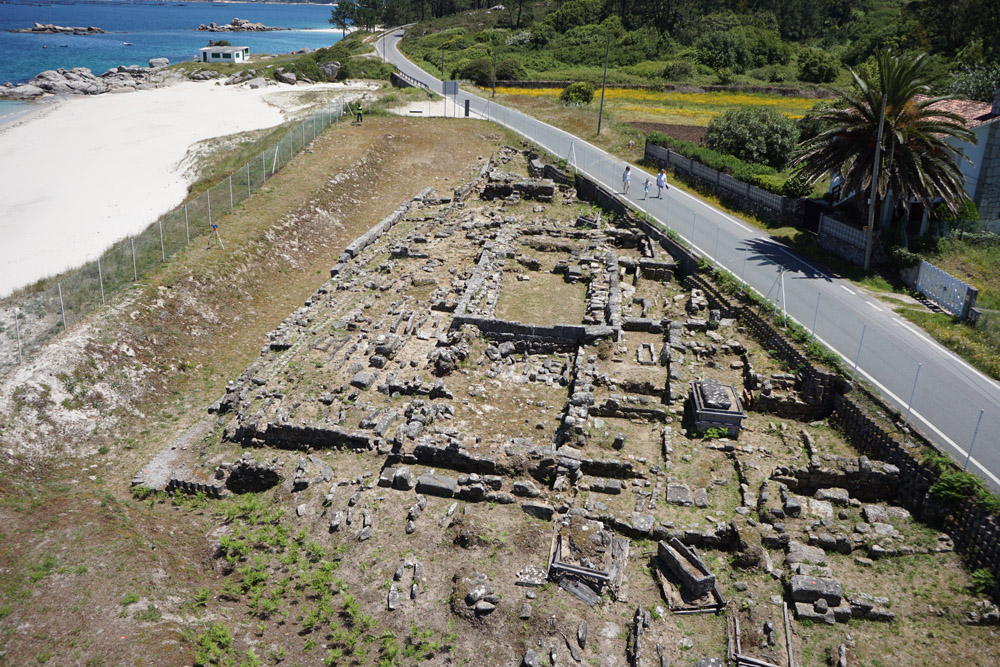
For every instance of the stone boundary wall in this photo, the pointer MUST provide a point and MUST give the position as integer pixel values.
(686, 88)
(375, 233)
(535, 338)
(745, 196)
(976, 534)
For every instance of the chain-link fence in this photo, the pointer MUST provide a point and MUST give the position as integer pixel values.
(28, 321)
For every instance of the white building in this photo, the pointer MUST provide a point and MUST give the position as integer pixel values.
(224, 54)
(982, 169)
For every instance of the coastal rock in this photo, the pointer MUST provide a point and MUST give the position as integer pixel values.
(158, 62)
(23, 92)
(52, 29)
(330, 70)
(238, 25)
(259, 82)
(286, 77)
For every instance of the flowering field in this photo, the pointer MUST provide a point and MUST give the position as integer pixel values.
(636, 104)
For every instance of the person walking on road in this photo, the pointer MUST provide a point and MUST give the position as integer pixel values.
(661, 184)
(645, 190)
(626, 179)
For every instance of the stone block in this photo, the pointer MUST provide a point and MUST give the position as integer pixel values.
(437, 485)
(835, 495)
(805, 611)
(679, 494)
(810, 589)
(538, 510)
(803, 553)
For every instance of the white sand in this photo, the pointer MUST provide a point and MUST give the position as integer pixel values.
(89, 171)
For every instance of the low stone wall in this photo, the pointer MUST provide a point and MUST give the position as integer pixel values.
(193, 488)
(454, 458)
(302, 437)
(535, 339)
(868, 481)
(375, 233)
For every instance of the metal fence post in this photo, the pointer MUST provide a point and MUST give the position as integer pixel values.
(230, 193)
(912, 394)
(208, 196)
(694, 220)
(135, 270)
(163, 253)
(17, 332)
(715, 258)
(248, 180)
(263, 165)
(973, 443)
(815, 317)
(187, 231)
(100, 279)
(858, 357)
(62, 308)
(743, 273)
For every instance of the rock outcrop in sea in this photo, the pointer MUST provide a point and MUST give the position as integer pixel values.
(238, 25)
(52, 29)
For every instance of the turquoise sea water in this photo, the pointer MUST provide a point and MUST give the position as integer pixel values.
(153, 29)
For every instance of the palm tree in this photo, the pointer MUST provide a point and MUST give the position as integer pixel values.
(917, 163)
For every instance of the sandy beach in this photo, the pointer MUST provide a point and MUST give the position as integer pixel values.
(80, 174)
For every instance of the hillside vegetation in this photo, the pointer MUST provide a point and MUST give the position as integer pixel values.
(762, 42)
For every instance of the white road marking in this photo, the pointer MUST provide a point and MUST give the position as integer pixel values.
(845, 287)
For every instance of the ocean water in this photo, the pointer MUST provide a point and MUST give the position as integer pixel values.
(153, 30)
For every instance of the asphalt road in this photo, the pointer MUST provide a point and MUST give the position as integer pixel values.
(937, 392)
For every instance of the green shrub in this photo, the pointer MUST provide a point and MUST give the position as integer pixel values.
(966, 211)
(724, 50)
(983, 582)
(741, 48)
(725, 75)
(678, 70)
(754, 134)
(580, 92)
(510, 69)
(795, 186)
(954, 486)
(735, 167)
(818, 66)
(479, 71)
(901, 258)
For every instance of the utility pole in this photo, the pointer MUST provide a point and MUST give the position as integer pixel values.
(870, 232)
(493, 48)
(604, 83)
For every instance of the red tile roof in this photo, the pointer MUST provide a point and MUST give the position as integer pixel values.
(975, 113)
